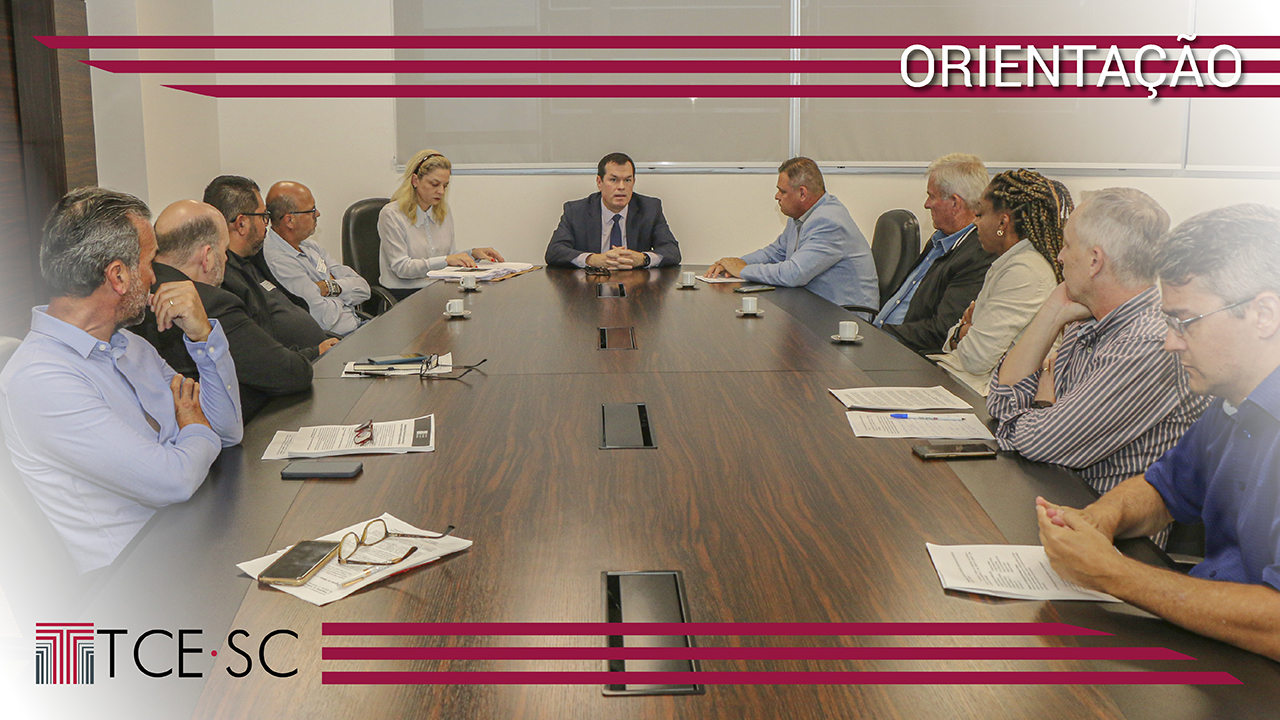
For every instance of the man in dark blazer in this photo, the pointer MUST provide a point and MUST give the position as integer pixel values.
(613, 228)
(951, 269)
(192, 240)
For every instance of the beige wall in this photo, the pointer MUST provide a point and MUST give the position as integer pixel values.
(344, 149)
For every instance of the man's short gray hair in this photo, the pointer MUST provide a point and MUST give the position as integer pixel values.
(1128, 225)
(87, 230)
(183, 241)
(959, 174)
(803, 172)
(280, 205)
(1235, 251)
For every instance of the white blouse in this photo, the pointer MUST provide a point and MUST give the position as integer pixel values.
(1016, 285)
(409, 250)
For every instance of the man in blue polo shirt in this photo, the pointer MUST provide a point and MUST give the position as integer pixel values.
(1220, 277)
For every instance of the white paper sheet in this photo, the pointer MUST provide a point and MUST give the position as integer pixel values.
(900, 398)
(326, 586)
(485, 272)
(445, 367)
(719, 279)
(954, 426)
(395, 436)
(1021, 572)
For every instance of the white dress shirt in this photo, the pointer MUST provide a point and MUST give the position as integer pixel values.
(606, 229)
(409, 250)
(1017, 284)
(299, 271)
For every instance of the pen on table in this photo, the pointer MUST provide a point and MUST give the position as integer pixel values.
(364, 574)
(905, 416)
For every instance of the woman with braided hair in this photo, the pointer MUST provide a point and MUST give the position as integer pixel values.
(1019, 219)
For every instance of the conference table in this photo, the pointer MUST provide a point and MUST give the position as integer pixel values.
(757, 492)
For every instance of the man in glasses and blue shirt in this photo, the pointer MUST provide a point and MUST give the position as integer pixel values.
(1220, 276)
(333, 291)
(100, 429)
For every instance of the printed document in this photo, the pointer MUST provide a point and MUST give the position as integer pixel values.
(444, 367)
(327, 585)
(719, 279)
(395, 436)
(1021, 572)
(900, 398)
(487, 271)
(954, 426)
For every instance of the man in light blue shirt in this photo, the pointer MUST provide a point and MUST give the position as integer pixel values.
(332, 291)
(100, 429)
(821, 248)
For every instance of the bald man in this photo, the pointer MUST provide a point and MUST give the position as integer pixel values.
(191, 248)
(333, 292)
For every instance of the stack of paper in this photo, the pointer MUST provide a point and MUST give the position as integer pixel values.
(396, 436)
(486, 272)
(900, 398)
(700, 278)
(1021, 572)
(355, 369)
(956, 426)
(328, 584)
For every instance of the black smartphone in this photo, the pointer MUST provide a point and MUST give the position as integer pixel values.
(397, 359)
(752, 288)
(298, 563)
(307, 469)
(948, 451)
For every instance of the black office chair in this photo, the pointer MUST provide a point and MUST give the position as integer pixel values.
(360, 243)
(894, 248)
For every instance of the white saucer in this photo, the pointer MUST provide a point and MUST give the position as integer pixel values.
(465, 313)
(837, 338)
(469, 290)
(747, 314)
(687, 287)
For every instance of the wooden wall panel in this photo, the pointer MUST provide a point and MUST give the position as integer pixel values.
(16, 296)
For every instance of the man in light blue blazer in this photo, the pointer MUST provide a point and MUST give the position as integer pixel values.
(821, 249)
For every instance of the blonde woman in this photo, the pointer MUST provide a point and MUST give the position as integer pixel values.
(416, 228)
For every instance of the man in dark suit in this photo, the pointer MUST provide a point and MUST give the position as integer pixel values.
(613, 228)
(192, 240)
(949, 273)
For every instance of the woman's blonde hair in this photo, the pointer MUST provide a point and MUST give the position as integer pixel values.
(421, 164)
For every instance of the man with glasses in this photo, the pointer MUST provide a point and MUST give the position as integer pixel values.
(192, 246)
(333, 292)
(1220, 274)
(1113, 400)
(282, 314)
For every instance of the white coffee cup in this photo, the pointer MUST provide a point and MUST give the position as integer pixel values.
(468, 282)
(453, 307)
(848, 330)
(686, 279)
(749, 305)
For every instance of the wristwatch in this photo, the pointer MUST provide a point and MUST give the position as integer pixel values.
(334, 288)
(647, 260)
(1041, 404)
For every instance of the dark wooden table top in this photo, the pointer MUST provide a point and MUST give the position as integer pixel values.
(758, 492)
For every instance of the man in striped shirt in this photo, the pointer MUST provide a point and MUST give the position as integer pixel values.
(1113, 400)
(1220, 273)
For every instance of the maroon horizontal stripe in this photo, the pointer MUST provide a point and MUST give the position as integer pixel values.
(709, 91)
(500, 629)
(751, 653)
(915, 66)
(63, 625)
(765, 42)
(778, 678)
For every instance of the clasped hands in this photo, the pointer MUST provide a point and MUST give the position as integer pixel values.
(1080, 545)
(726, 267)
(616, 259)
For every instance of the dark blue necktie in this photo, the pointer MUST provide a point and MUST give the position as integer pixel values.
(615, 234)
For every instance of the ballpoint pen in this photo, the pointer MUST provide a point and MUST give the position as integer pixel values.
(905, 416)
(363, 574)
